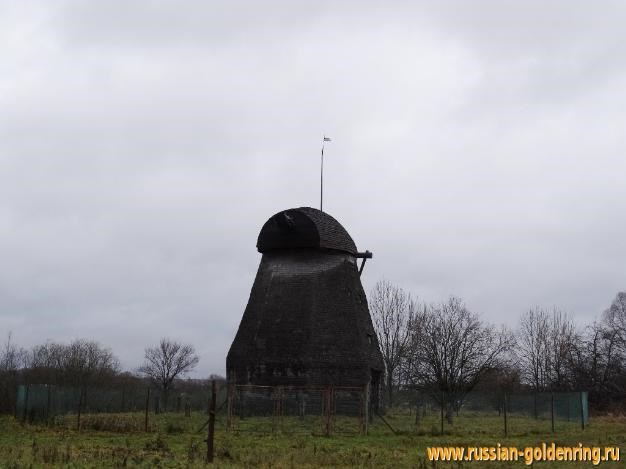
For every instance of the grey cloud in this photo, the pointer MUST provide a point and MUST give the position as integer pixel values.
(477, 150)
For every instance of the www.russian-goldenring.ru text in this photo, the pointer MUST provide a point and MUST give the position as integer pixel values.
(530, 454)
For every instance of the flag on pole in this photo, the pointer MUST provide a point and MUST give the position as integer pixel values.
(326, 139)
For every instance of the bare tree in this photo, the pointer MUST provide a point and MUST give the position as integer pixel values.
(532, 348)
(12, 359)
(81, 363)
(598, 357)
(86, 363)
(47, 362)
(614, 321)
(167, 361)
(451, 349)
(545, 344)
(596, 364)
(615, 318)
(561, 342)
(392, 312)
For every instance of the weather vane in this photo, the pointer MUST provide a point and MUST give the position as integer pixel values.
(324, 140)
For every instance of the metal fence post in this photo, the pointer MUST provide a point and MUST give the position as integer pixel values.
(48, 405)
(582, 413)
(25, 412)
(442, 404)
(279, 409)
(230, 406)
(187, 406)
(506, 428)
(145, 422)
(274, 397)
(366, 408)
(329, 398)
(80, 408)
(211, 432)
(552, 410)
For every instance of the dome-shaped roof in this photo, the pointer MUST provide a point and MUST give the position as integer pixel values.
(304, 227)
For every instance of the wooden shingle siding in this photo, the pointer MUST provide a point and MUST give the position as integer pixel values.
(307, 322)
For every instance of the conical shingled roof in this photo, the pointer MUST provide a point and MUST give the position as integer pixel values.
(304, 227)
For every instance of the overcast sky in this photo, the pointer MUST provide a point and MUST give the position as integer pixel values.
(478, 150)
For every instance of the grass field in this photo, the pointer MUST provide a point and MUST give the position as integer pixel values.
(173, 441)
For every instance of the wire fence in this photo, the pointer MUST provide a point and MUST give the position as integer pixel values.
(58, 405)
(301, 410)
(316, 410)
(513, 413)
(241, 408)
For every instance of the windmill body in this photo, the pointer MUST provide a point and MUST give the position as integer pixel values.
(307, 322)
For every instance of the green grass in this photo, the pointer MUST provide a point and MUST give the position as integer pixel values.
(118, 440)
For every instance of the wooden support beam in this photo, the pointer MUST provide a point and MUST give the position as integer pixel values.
(365, 256)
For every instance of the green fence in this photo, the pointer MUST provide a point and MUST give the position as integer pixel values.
(43, 403)
(513, 413)
(326, 411)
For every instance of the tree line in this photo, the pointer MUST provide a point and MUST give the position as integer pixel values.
(85, 364)
(447, 349)
(438, 348)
